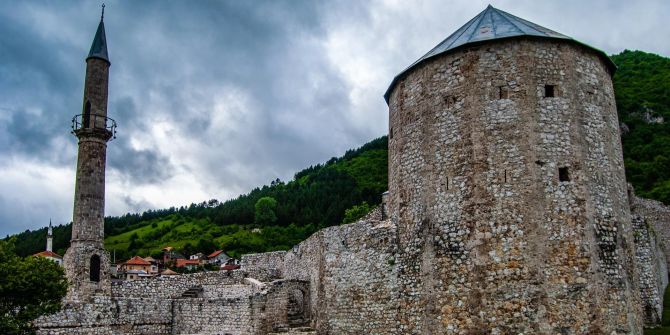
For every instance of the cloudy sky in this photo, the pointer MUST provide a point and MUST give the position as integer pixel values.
(214, 98)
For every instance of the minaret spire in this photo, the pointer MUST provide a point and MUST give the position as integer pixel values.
(102, 16)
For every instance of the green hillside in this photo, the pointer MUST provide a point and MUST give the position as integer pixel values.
(642, 87)
(318, 196)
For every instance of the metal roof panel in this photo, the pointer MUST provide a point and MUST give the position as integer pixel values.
(490, 24)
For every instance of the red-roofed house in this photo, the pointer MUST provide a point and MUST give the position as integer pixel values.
(218, 257)
(188, 263)
(51, 256)
(135, 263)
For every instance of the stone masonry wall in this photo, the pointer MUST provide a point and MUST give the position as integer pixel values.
(652, 271)
(224, 316)
(104, 315)
(351, 270)
(511, 206)
(229, 303)
(651, 221)
(658, 217)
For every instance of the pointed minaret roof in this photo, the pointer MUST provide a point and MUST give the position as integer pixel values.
(491, 24)
(99, 46)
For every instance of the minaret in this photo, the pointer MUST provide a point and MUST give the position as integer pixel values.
(50, 234)
(86, 261)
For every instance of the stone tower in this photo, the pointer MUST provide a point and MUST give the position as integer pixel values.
(507, 184)
(86, 261)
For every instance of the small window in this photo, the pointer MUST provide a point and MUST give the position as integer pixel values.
(391, 133)
(549, 91)
(95, 268)
(502, 92)
(563, 174)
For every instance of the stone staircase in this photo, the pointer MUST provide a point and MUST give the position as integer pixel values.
(297, 325)
(193, 292)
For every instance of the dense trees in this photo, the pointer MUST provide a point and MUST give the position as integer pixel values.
(642, 87)
(29, 287)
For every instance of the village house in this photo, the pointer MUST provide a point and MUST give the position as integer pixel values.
(137, 268)
(218, 257)
(190, 264)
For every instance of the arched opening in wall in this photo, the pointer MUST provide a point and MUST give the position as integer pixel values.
(87, 115)
(297, 308)
(95, 268)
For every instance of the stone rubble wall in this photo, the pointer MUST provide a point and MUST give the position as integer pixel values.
(174, 286)
(651, 222)
(270, 262)
(104, 315)
(225, 316)
(652, 271)
(658, 216)
(230, 303)
(351, 271)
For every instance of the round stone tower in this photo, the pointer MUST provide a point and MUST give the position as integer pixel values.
(507, 184)
(86, 261)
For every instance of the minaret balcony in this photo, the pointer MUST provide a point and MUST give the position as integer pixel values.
(94, 125)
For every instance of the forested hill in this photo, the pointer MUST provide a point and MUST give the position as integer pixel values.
(319, 196)
(288, 213)
(642, 87)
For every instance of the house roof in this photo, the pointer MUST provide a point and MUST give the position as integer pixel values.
(150, 259)
(47, 253)
(184, 262)
(491, 24)
(168, 272)
(136, 260)
(216, 253)
(229, 267)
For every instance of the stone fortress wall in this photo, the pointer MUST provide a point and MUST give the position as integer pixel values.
(347, 277)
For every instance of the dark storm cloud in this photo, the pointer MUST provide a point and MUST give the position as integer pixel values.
(214, 98)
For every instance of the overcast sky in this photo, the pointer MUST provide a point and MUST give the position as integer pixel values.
(214, 98)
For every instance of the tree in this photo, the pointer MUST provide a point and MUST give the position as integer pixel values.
(354, 213)
(29, 287)
(265, 211)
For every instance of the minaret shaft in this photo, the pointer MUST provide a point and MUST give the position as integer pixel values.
(86, 261)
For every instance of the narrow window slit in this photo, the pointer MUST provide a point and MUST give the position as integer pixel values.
(563, 174)
(505, 176)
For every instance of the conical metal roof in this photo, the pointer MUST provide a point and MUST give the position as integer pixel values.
(490, 24)
(99, 46)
